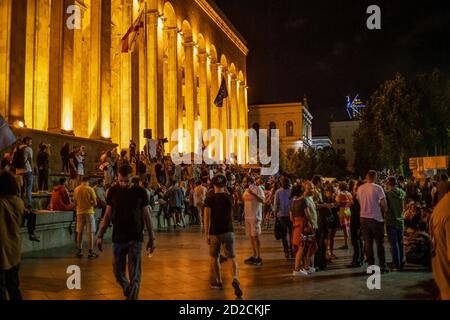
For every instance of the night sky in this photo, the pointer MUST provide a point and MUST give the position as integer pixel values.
(323, 49)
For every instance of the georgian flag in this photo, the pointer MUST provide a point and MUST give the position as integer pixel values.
(223, 93)
(129, 38)
(7, 137)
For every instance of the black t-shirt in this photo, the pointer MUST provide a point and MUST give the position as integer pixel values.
(127, 213)
(221, 206)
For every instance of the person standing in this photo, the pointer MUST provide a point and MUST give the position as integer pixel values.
(100, 193)
(253, 200)
(372, 201)
(345, 200)
(355, 229)
(43, 164)
(312, 213)
(303, 236)
(395, 198)
(129, 211)
(220, 232)
(282, 205)
(23, 162)
(73, 168)
(11, 216)
(175, 198)
(440, 251)
(199, 200)
(85, 201)
(64, 153)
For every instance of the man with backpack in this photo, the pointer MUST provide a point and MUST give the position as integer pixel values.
(23, 163)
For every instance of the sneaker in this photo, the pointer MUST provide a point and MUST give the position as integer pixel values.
(237, 288)
(216, 285)
(80, 253)
(250, 260)
(257, 261)
(300, 273)
(311, 270)
(92, 255)
(34, 237)
(333, 256)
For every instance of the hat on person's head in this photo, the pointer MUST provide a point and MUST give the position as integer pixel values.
(219, 180)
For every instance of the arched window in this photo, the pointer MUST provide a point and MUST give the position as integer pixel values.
(272, 125)
(289, 129)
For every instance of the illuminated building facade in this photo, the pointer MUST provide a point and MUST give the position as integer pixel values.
(78, 81)
(293, 120)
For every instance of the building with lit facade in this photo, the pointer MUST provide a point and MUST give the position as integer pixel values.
(293, 120)
(321, 142)
(342, 138)
(79, 82)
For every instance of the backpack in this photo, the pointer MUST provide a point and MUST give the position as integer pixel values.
(19, 158)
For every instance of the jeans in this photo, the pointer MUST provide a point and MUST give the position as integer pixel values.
(28, 185)
(286, 230)
(395, 236)
(131, 249)
(9, 284)
(357, 244)
(43, 180)
(373, 230)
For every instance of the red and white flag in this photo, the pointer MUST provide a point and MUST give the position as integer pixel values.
(129, 38)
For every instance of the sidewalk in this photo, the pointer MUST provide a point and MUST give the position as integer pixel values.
(179, 269)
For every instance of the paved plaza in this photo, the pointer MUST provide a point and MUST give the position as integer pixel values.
(179, 270)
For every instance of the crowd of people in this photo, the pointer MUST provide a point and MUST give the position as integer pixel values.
(308, 213)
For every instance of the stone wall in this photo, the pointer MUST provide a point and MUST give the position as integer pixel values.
(93, 148)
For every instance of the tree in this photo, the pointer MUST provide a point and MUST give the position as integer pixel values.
(404, 118)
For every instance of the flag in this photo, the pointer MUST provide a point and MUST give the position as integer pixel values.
(223, 93)
(129, 38)
(7, 137)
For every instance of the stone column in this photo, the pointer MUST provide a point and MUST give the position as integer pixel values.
(5, 58)
(214, 111)
(143, 108)
(18, 58)
(171, 110)
(125, 83)
(190, 90)
(56, 71)
(81, 99)
(30, 64)
(39, 73)
(203, 79)
(105, 73)
(242, 117)
(152, 71)
(95, 68)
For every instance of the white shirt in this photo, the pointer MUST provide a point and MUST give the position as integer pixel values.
(369, 196)
(199, 195)
(252, 207)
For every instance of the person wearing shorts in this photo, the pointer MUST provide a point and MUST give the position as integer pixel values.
(85, 200)
(219, 231)
(253, 201)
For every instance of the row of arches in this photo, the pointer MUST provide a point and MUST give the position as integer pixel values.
(192, 76)
(289, 127)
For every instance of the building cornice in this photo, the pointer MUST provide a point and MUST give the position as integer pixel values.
(214, 12)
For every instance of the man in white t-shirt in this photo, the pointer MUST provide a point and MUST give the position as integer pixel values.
(373, 204)
(199, 200)
(253, 202)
